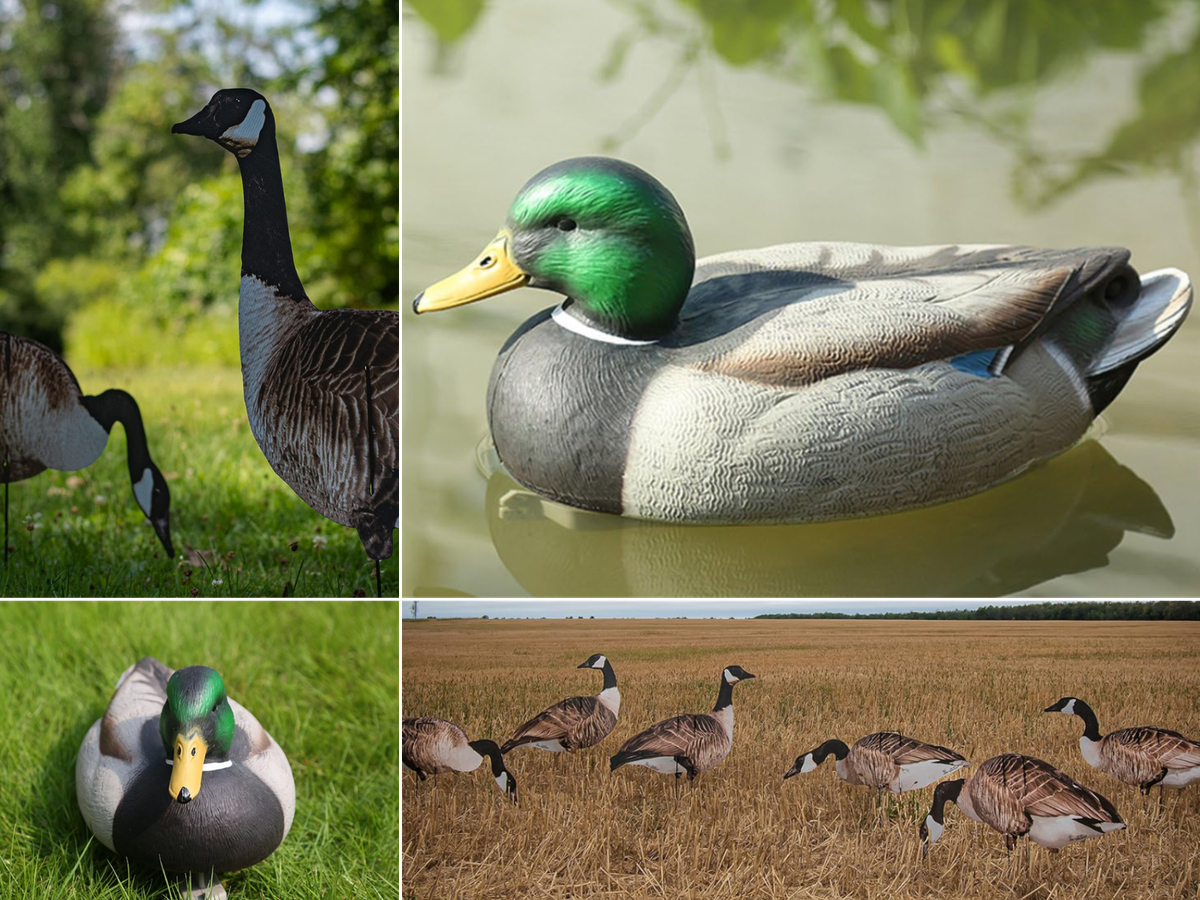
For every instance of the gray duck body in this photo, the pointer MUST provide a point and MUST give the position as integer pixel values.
(808, 382)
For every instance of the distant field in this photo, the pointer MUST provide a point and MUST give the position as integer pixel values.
(740, 830)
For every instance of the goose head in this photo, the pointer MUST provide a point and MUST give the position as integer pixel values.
(238, 119)
(595, 661)
(196, 726)
(601, 231)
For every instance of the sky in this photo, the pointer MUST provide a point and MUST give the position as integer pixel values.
(665, 609)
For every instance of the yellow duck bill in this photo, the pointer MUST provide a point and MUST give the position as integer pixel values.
(493, 272)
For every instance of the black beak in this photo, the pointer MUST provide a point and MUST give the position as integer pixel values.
(200, 124)
(1051, 709)
(416, 304)
(162, 528)
(185, 795)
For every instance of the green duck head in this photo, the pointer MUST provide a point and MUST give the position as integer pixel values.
(601, 231)
(196, 725)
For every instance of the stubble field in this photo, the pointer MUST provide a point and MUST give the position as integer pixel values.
(740, 831)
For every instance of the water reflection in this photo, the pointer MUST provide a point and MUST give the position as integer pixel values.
(924, 66)
(1060, 518)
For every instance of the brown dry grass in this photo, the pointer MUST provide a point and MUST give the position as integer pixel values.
(740, 830)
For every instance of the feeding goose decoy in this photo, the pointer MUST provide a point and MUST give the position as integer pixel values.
(177, 776)
(884, 761)
(47, 422)
(1144, 756)
(1022, 796)
(576, 722)
(430, 746)
(800, 382)
(691, 743)
(322, 387)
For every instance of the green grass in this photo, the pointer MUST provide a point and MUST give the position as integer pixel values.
(81, 534)
(322, 678)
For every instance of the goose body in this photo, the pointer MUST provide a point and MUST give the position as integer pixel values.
(1144, 756)
(431, 746)
(691, 743)
(576, 722)
(1023, 796)
(46, 422)
(179, 776)
(799, 382)
(321, 386)
(886, 760)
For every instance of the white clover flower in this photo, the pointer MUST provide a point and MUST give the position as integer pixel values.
(217, 581)
(319, 540)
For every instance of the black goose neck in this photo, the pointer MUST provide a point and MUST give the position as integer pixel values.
(834, 746)
(266, 242)
(946, 791)
(492, 751)
(117, 406)
(724, 695)
(1091, 726)
(610, 677)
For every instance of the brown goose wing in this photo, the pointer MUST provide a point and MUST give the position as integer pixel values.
(1167, 749)
(337, 448)
(424, 741)
(905, 751)
(576, 722)
(1046, 791)
(679, 736)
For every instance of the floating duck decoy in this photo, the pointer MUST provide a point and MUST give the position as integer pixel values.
(46, 422)
(800, 382)
(322, 387)
(1022, 796)
(178, 777)
(1144, 756)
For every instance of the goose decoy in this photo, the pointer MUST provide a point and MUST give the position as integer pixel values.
(691, 743)
(576, 722)
(46, 422)
(322, 387)
(1144, 756)
(886, 760)
(800, 382)
(1023, 796)
(430, 746)
(178, 776)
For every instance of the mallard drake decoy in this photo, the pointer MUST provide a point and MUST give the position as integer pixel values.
(1020, 795)
(432, 746)
(692, 743)
(1144, 756)
(322, 387)
(800, 382)
(46, 422)
(177, 776)
(576, 722)
(885, 760)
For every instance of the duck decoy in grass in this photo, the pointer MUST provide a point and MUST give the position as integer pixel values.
(1021, 796)
(691, 743)
(322, 387)
(576, 722)
(799, 382)
(1144, 756)
(430, 746)
(885, 761)
(46, 422)
(177, 776)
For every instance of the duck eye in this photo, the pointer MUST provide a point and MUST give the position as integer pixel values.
(193, 751)
(565, 224)
(178, 751)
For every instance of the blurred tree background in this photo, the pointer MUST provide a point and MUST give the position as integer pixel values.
(119, 242)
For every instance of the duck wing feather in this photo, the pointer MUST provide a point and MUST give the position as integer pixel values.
(687, 736)
(576, 722)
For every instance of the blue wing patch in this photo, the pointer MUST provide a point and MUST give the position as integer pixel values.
(982, 363)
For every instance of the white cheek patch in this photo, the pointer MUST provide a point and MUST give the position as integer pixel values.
(142, 491)
(599, 663)
(730, 677)
(502, 781)
(1069, 709)
(808, 764)
(934, 828)
(246, 134)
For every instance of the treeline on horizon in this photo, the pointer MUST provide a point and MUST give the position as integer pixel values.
(1155, 610)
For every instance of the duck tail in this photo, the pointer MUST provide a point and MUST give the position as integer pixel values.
(1147, 323)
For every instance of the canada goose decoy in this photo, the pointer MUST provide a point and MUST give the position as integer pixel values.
(178, 776)
(46, 422)
(322, 387)
(576, 722)
(800, 382)
(692, 743)
(1023, 796)
(430, 746)
(1144, 756)
(884, 761)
